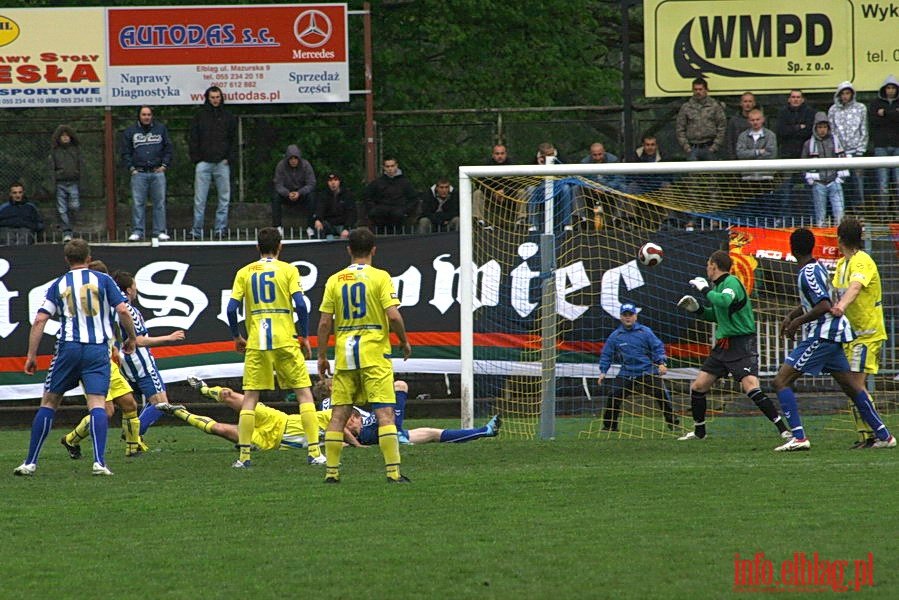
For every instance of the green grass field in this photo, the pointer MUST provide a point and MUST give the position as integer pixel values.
(495, 518)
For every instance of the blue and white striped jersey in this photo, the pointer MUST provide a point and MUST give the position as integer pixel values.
(85, 302)
(814, 286)
(139, 363)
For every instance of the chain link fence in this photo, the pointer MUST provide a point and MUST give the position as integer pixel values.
(428, 145)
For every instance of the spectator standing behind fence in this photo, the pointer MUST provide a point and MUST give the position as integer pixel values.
(757, 142)
(294, 183)
(147, 153)
(795, 125)
(827, 184)
(561, 194)
(647, 152)
(489, 203)
(390, 200)
(701, 124)
(335, 210)
(588, 201)
(737, 124)
(885, 137)
(20, 220)
(66, 166)
(439, 208)
(213, 149)
(849, 125)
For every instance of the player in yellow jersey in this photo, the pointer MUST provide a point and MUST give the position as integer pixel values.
(269, 290)
(360, 306)
(857, 284)
(277, 429)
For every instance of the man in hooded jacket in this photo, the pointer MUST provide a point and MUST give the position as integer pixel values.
(884, 120)
(294, 182)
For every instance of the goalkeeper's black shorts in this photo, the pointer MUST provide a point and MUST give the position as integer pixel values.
(736, 356)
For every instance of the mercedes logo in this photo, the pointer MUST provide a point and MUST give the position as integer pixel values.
(312, 28)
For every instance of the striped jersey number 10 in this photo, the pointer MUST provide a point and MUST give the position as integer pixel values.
(354, 301)
(263, 287)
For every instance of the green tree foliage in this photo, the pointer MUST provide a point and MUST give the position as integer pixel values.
(491, 53)
(428, 55)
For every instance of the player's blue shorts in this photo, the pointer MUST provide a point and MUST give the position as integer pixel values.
(368, 435)
(150, 385)
(74, 362)
(815, 356)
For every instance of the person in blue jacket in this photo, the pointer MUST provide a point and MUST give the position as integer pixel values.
(147, 154)
(642, 358)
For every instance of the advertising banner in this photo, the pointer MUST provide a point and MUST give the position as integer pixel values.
(768, 46)
(181, 287)
(270, 53)
(171, 55)
(52, 57)
(775, 243)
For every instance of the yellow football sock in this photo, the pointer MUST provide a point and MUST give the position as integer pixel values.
(245, 426)
(204, 423)
(310, 427)
(333, 448)
(212, 392)
(81, 431)
(390, 448)
(862, 429)
(131, 429)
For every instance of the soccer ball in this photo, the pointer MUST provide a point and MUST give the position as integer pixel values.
(650, 254)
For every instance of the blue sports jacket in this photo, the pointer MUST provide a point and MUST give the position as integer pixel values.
(636, 349)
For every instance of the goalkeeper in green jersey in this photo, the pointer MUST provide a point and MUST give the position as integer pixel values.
(735, 351)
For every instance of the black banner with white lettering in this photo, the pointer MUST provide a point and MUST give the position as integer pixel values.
(188, 286)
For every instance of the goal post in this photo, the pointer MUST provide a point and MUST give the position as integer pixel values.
(548, 255)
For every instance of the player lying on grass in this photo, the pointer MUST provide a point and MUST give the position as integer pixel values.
(362, 427)
(277, 429)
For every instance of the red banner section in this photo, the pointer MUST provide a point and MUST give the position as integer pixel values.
(227, 34)
(775, 243)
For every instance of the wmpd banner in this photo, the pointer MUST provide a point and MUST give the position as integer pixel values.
(188, 287)
(170, 55)
(768, 46)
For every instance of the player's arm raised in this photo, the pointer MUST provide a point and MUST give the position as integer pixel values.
(398, 327)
